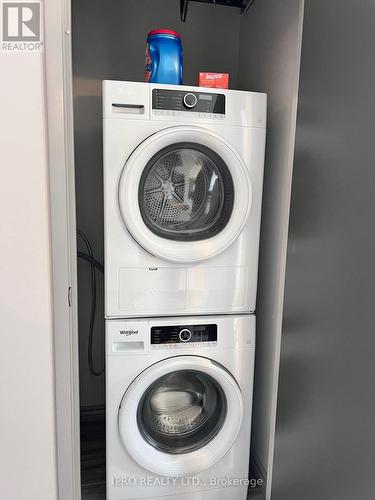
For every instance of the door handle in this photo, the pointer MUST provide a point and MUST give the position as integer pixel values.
(127, 106)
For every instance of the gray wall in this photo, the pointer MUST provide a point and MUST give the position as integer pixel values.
(109, 43)
(325, 441)
(270, 56)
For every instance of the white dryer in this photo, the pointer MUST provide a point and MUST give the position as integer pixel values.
(178, 410)
(183, 174)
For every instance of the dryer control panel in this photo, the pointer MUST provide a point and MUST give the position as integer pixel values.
(173, 336)
(183, 100)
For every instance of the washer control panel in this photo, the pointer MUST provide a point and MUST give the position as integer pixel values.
(174, 336)
(182, 100)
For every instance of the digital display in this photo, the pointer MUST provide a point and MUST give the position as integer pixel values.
(205, 97)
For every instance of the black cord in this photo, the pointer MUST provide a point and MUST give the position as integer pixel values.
(92, 261)
(93, 302)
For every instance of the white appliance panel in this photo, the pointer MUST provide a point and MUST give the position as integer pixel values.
(140, 283)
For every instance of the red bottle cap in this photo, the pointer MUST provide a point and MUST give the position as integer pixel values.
(164, 32)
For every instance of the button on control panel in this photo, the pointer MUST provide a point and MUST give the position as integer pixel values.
(174, 336)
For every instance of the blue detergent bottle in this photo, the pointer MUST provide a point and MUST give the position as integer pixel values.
(164, 57)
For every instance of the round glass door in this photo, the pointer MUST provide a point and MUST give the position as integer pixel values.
(186, 193)
(180, 415)
(182, 411)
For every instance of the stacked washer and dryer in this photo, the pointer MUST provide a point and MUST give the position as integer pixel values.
(183, 174)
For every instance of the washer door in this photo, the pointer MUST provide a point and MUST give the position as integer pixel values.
(180, 416)
(182, 186)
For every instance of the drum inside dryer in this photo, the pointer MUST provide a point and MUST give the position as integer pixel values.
(186, 193)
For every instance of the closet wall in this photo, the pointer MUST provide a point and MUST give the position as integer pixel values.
(325, 437)
(270, 49)
(109, 43)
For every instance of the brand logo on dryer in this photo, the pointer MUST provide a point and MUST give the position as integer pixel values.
(129, 332)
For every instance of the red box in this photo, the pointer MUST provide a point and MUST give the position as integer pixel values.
(214, 80)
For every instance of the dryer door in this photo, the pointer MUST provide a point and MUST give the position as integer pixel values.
(181, 187)
(180, 416)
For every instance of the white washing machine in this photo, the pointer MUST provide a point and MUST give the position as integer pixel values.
(178, 412)
(183, 174)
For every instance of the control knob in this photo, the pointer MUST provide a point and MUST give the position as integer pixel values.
(190, 100)
(184, 335)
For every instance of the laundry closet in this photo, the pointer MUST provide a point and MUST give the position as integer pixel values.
(258, 43)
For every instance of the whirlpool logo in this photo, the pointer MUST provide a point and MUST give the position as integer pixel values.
(21, 27)
(129, 332)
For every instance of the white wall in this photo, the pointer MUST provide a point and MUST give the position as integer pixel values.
(27, 432)
(270, 48)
